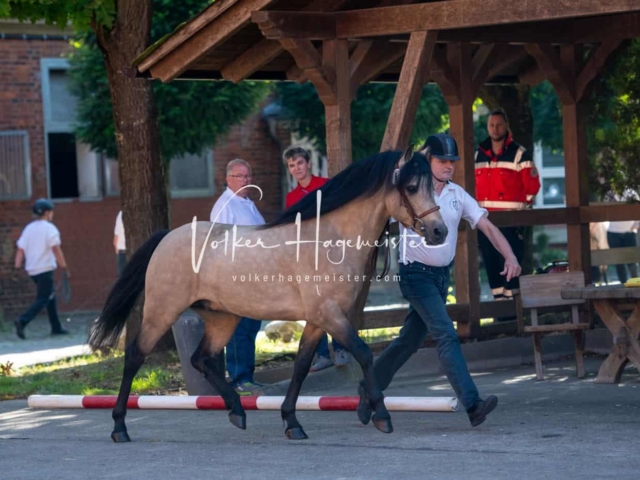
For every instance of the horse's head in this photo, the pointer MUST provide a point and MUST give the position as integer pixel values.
(411, 199)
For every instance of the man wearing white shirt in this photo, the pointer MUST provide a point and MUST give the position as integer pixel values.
(120, 243)
(235, 208)
(424, 281)
(39, 247)
(620, 235)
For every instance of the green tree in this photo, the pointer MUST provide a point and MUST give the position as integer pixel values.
(369, 114)
(122, 30)
(191, 115)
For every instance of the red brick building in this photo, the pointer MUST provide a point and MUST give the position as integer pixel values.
(39, 157)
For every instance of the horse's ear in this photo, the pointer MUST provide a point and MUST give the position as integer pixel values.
(408, 153)
(426, 151)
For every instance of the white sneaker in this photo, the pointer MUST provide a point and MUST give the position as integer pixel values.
(341, 357)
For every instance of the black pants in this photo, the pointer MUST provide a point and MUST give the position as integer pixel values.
(46, 298)
(122, 260)
(620, 240)
(494, 261)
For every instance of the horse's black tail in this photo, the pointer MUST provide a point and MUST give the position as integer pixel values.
(123, 295)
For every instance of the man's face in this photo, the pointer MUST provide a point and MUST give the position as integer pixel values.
(239, 177)
(442, 169)
(497, 128)
(299, 168)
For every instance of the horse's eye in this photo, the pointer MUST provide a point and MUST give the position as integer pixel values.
(412, 189)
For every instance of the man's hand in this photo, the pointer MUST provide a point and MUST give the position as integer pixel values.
(512, 268)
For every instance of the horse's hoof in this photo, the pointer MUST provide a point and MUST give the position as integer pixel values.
(295, 433)
(238, 420)
(383, 424)
(120, 437)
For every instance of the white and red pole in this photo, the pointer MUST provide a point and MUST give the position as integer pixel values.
(160, 402)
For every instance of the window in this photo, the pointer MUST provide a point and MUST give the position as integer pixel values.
(192, 175)
(551, 170)
(15, 167)
(189, 176)
(73, 169)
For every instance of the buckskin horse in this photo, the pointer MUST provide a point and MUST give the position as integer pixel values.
(201, 265)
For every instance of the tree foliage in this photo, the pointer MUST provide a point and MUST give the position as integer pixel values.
(191, 115)
(369, 114)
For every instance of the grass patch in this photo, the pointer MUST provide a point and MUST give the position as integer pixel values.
(93, 375)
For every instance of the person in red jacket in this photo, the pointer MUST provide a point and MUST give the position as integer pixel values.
(298, 161)
(506, 179)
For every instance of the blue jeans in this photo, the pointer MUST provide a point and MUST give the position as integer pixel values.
(46, 297)
(323, 346)
(241, 351)
(426, 288)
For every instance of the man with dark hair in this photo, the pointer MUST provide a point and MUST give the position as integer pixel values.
(39, 247)
(298, 161)
(506, 179)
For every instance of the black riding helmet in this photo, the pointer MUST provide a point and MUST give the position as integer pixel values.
(42, 205)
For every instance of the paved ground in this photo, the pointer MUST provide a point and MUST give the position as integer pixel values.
(40, 346)
(560, 428)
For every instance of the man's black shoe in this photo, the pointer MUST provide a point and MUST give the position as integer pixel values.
(19, 329)
(62, 331)
(482, 409)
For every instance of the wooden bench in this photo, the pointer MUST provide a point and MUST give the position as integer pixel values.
(538, 291)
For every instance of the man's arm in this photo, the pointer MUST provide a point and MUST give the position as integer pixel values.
(19, 259)
(511, 266)
(115, 243)
(62, 263)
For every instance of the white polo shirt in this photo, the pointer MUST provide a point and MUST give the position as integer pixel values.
(37, 240)
(455, 204)
(119, 231)
(235, 210)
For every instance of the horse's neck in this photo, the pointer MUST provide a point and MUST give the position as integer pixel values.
(364, 218)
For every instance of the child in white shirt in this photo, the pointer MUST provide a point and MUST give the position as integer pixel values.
(39, 244)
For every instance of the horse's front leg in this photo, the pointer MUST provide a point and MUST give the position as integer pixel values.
(335, 323)
(308, 343)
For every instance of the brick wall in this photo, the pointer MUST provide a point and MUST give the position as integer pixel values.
(86, 227)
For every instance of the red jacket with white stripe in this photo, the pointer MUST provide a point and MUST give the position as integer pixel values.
(507, 180)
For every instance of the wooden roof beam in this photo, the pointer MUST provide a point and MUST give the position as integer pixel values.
(551, 65)
(579, 30)
(311, 63)
(369, 59)
(209, 36)
(266, 50)
(594, 65)
(465, 13)
(483, 61)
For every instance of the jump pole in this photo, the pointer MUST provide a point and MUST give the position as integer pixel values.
(160, 402)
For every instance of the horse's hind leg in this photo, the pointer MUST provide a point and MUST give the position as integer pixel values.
(308, 343)
(218, 329)
(336, 324)
(134, 356)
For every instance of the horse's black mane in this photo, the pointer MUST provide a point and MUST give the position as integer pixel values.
(360, 179)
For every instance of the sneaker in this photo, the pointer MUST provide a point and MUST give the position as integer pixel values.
(249, 388)
(321, 364)
(19, 329)
(341, 357)
(62, 331)
(483, 408)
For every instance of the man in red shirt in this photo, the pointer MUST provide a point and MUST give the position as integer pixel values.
(298, 161)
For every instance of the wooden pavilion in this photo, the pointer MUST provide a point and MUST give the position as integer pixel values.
(339, 45)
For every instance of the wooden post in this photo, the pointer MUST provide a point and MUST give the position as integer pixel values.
(409, 91)
(461, 128)
(576, 167)
(335, 55)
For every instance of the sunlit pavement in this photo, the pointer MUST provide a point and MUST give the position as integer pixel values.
(559, 428)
